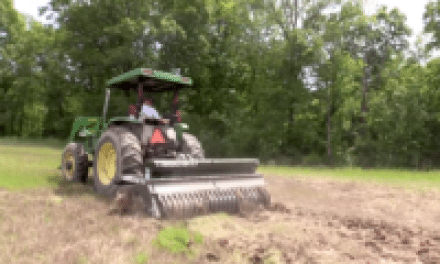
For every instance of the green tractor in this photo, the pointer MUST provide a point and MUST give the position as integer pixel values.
(155, 156)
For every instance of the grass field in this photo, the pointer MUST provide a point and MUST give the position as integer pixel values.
(28, 163)
(395, 177)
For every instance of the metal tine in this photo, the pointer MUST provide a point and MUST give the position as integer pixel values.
(219, 202)
(233, 201)
(179, 201)
(190, 205)
(179, 206)
(182, 202)
(161, 203)
(228, 201)
(225, 199)
(174, 206)
(185, 206)
(193, 204)
(212, 200)
(165, 205)
(205, 202)
(186, 202)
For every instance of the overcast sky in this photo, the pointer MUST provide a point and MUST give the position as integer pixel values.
(412, 9)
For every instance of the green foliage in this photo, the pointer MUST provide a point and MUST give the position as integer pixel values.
(308, 82)
(141, 258)
(431, 20)
(178, 240)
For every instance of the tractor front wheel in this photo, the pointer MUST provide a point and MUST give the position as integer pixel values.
(74, 163)
(118, 153)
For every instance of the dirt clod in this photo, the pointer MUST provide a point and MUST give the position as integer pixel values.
(212, 257)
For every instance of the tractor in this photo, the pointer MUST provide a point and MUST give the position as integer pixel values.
(157, 157)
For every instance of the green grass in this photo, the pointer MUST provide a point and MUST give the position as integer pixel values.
(33, 163)
(141, 258)
(400, 177)
(47, 142)
(177, 240)
(24, 165)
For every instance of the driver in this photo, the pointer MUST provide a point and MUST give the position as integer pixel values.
(148, 110)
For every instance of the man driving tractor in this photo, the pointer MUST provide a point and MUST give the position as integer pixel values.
(148, 110)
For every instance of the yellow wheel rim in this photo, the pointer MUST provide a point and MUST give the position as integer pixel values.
(69, 159)
(106, 163)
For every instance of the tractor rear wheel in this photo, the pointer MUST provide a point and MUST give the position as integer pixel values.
(74, 163)
(118, 153)
(192, 146)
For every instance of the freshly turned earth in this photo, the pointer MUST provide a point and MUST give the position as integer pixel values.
(311, 221)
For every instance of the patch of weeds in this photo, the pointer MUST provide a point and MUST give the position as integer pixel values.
(54, 201)
(141, 258)
(57, 199)
(222, 215)
(82, 260)
(280, 228)
(42, 258)
(178, 240)
(132, 240)
(115, 229)
(237, 257)
(47, 218)
(273, 256)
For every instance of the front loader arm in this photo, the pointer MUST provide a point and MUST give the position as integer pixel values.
(86, 128)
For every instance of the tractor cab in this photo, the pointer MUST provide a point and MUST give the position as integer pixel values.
(161, 136)
(146, 82)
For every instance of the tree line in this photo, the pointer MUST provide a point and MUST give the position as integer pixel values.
(292, 82)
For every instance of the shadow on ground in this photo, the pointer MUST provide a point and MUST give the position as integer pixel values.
(71, 189)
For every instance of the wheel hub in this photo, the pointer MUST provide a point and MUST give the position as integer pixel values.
(106, 163)
(69, 165)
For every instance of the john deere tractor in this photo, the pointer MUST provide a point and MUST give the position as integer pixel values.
(157, 157)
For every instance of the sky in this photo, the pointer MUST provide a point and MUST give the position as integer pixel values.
(412, 9)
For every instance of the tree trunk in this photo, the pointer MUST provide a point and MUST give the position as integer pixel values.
(364, 148)
(329, 128)
(364, 95)
(296, 13)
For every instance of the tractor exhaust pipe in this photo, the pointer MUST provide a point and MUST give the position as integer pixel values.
(107, 98)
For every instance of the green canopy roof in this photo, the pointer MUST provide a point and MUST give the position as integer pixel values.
(151, 79)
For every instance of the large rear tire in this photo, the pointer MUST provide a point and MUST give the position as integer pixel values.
(192, 146)
(74, 163)
(118, 153)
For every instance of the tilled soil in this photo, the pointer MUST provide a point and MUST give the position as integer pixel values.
(325, 221)
(310, 221)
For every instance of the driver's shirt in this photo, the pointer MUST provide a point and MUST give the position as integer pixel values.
(149, 112)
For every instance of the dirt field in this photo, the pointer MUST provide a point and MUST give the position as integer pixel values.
(311, 221)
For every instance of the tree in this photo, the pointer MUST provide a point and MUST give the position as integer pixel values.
(431, 19)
